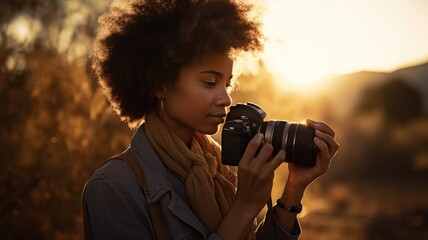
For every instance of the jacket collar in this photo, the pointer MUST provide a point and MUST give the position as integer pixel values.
(155, 173)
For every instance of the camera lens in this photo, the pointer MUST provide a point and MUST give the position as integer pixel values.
(297, 140)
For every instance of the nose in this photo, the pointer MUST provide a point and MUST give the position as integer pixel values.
(224, 98)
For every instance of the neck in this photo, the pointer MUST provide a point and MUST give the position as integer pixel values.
(183, 132)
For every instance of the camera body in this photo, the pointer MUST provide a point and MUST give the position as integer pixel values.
(245, 120)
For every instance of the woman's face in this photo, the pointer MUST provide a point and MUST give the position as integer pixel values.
(200, 97)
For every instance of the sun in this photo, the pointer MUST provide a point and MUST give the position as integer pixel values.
(295, 70)
(309, 41)
(291, 53)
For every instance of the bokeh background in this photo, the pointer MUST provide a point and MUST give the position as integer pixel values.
(361, 66)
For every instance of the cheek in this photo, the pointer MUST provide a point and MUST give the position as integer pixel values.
(191, 102)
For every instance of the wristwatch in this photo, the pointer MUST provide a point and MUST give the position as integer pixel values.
(292, 209)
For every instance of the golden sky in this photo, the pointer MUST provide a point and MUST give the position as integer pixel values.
(309, 39)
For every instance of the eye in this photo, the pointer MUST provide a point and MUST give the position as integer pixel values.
(210, 83)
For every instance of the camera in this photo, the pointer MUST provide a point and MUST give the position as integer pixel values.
(245, 120)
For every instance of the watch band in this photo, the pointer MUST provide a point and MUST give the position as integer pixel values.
(292, 209)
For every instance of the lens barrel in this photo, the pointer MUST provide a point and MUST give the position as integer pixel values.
(297, 139)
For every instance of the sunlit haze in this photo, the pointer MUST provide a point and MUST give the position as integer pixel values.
(311, 39)
(22, 29)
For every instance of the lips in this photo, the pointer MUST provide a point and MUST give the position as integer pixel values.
(219, 117)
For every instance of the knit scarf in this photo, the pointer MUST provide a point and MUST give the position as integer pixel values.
(210, 185)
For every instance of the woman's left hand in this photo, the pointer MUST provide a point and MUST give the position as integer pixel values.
(300, 177)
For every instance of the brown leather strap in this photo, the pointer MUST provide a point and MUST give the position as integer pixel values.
(161, 231)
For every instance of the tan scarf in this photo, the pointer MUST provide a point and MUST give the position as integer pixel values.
(210, 185)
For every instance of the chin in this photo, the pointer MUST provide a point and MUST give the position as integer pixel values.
(209, 130)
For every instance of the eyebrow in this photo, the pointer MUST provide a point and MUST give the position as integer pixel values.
(214, 72)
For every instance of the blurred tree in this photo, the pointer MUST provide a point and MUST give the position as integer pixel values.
(388, 112)
(56, 127)
(398, 101)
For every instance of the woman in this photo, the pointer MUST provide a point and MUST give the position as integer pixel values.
(167, 67)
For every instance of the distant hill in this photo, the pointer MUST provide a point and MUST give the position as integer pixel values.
(346, 90)
(417, 76)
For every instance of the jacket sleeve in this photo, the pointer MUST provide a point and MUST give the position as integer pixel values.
(110, 213)
(270, 228)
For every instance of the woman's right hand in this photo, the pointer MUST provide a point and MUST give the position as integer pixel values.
(255, 175)
(255, 181)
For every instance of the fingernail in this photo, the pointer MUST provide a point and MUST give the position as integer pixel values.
(312, 122)
(316, 139)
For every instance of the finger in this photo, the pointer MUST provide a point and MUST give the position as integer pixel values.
(326, 138)
(275, 162)
(323, 147)
(263, 156)
(321, 126)
(332, 144)
(252, 148)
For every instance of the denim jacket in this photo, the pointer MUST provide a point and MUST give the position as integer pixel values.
(115, 208)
